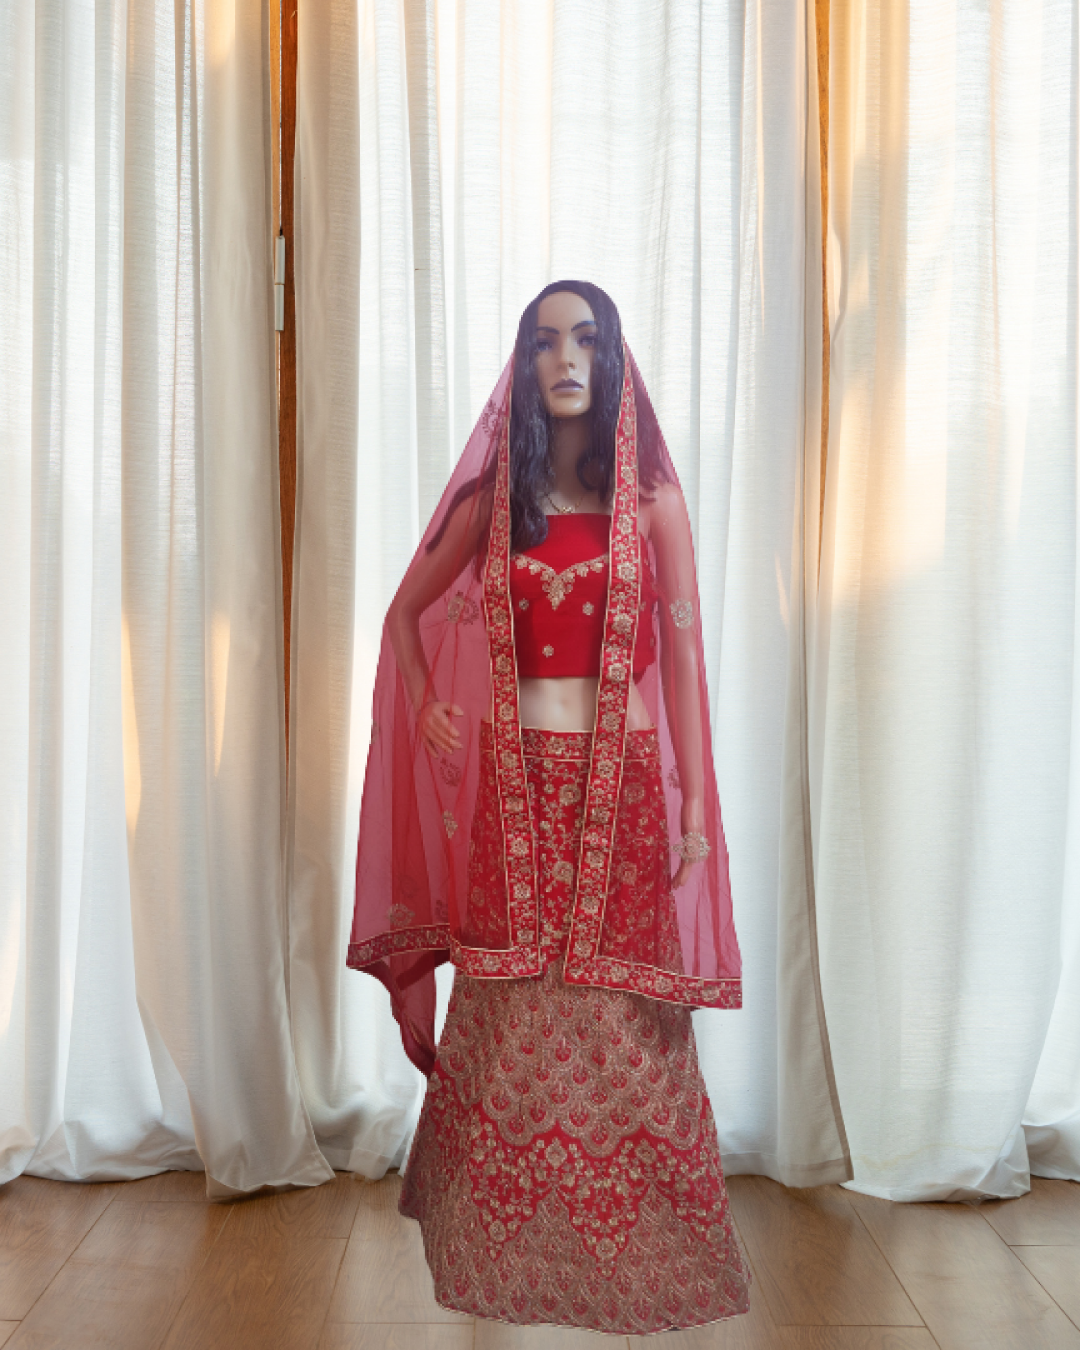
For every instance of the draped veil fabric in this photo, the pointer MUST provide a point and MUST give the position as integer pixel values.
(143, 1016)
(440, 877)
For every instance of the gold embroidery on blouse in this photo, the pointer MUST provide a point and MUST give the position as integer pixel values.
(558, 585)
(682, 613)
(449, 823)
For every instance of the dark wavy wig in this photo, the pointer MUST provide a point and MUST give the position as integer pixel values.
(532, 427)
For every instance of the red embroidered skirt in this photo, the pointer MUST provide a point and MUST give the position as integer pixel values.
(565, 1168)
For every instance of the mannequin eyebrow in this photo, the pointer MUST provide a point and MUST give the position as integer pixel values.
(585, 323)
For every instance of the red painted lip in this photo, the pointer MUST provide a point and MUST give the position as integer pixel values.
(566, 384)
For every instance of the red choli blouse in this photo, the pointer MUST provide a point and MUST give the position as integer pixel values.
(559, 593)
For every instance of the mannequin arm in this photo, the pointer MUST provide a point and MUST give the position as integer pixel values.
(680, 667)
(431, 576)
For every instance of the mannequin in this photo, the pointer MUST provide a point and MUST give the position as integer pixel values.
(565, 1168)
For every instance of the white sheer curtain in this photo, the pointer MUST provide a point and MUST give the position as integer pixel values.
(471, 152)
(944, 733)
(143, 1018)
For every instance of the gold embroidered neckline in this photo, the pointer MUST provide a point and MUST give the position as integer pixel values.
(558, 585)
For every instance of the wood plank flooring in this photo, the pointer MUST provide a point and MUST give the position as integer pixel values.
(152, 1265)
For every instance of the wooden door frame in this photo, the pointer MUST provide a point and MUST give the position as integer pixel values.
(822, 17)
(283, 22)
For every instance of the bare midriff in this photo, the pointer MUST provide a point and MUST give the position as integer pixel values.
(569, 704)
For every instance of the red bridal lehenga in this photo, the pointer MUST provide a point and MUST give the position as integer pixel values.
(565, 1168)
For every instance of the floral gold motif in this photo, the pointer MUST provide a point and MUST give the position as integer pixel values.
(462, 609)
(558, 585)
(692, 847)
(682, 613)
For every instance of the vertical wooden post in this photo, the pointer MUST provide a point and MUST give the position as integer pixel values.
(287, 340)
(822, 15)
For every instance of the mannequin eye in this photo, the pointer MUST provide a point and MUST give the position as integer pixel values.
(543, 345)
(587, 340)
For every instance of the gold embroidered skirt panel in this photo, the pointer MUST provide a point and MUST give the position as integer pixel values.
(565, 1168)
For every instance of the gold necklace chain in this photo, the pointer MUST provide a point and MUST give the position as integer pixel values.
(567, 510)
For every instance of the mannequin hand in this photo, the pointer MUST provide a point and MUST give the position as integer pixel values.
(438, 733)
(692, 821)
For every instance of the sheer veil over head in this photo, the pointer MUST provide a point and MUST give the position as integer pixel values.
(417, 903)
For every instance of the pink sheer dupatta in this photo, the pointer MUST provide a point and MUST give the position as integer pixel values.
(417, 903)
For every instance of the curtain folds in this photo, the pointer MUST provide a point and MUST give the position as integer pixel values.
(667, 152)
(893, 671)
(943, 676)
(143, 1015)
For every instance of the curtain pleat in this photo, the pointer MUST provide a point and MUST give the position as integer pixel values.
(486, 148)
(942, 688)
(143, 1015)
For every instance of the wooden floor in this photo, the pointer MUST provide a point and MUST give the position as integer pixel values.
(145, 1264)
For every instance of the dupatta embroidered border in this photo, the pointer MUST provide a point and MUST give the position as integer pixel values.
(584, 964)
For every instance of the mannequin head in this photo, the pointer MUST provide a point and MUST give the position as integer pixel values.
(577, 335)
(570, 335)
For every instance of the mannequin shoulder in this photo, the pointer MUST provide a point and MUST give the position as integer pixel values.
(662, 509)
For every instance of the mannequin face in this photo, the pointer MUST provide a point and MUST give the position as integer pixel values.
(565, 346)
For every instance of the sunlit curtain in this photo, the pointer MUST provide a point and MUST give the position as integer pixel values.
(452, 159)
(143, 1018)
(944, 741)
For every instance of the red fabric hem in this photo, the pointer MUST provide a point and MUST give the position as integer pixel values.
(472, 1310)
(604, 972)
(524, 964)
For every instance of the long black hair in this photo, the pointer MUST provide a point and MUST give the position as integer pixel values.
(532, 427)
